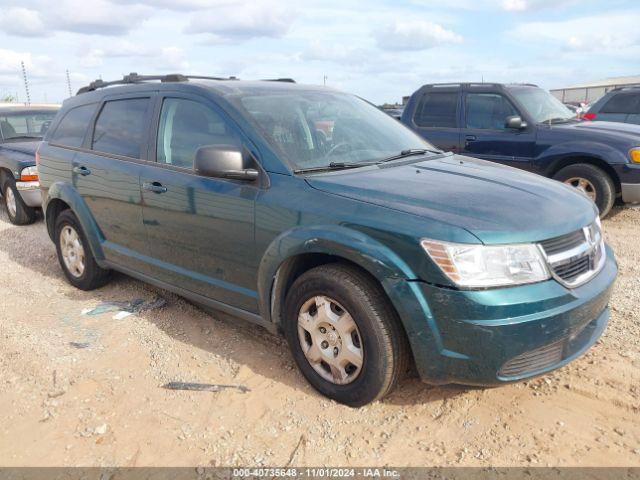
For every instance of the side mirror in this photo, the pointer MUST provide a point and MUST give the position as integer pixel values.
(224, 161)
(515, 122)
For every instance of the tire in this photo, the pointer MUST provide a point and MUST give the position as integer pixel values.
(74, 246)
(597, 181)
(378, 336)
(18, 212)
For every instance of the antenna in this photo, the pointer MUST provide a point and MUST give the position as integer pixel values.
(26, 83)
(69, 83)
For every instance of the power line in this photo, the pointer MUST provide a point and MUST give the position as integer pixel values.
(69, 83)
(26, 83)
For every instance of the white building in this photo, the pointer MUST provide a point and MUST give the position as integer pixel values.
(592, 91)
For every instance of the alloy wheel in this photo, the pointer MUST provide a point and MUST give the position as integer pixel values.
(330, 340)
(10, 200)
(583, 185)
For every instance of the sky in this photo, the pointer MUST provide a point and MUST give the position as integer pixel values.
(380, 50)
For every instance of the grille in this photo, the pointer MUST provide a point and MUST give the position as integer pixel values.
(534, 360)
(577, 257)
(563, 243)
(573, 270)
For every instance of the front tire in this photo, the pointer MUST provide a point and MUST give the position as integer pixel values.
(75, 256)
(344, 334)
(19, 212)
(592, 181)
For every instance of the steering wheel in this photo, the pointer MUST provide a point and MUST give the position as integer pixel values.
(335, 148)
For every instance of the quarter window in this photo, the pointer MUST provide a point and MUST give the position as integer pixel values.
(628, 103)
(73, 126)
(185, 126)
(437, 109)
(488, 111)
(120, 127)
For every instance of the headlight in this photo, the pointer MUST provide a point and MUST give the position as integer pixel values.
(634, 155)
(480, 266)
(29, 174)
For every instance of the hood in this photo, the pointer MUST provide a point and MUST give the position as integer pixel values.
(622, 131)
(497, 204)
(28, 147)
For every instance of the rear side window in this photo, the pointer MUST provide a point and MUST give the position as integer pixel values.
(120, 127)
(623, 103)
(73, 126)
(437, 109)
(488, 111)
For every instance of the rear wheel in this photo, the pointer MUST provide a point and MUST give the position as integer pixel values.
(19, 213)
(591, 181)
(75, 256)
(344, 334)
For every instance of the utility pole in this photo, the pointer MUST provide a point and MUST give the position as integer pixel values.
(26, 83)
(324, 79)
(69, 83)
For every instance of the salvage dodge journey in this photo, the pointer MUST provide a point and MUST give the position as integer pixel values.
(312, 213)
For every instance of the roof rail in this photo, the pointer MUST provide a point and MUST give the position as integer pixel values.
(172, 77)
(132, 78)
(285, 80)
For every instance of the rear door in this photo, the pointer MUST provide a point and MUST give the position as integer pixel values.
(485, 134)
(200, 230)
(106, 172)
(436, 117)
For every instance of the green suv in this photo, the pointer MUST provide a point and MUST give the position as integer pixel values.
(310, 212)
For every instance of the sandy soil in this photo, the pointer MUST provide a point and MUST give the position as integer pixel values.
(103, 405)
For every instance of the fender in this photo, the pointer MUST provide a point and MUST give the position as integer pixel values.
(335, 240)
(68, 194)
(550, 158)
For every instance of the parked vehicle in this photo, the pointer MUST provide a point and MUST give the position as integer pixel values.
(21, 129)
(368, 249)
(619, 105)
(526, 127)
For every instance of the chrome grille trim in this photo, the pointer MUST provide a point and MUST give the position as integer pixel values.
(575, 258)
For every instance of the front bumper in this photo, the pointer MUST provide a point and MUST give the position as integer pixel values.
(630, 192)
(491, 337)
(30, 193)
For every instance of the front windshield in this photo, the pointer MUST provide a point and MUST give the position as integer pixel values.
(25, 124)
(314, 129)
(542, 106)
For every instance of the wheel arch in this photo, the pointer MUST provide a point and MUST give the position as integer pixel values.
(575, 159)
(62, 196)
(297, 251)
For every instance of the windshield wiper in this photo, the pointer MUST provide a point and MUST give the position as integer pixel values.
(410, 153)
(557, 120)
(335, 166)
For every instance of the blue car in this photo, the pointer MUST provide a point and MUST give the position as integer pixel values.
(526, 127)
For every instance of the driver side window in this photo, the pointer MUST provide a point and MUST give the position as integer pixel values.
(185, 126)
(488, 111)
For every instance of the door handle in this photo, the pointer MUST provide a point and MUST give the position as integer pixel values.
(155, 187)
(84, 171)
(471, 138)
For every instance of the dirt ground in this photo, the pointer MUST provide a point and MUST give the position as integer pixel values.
(85, 390)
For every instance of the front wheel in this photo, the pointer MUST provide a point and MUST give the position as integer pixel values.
(19, 212)
(344, 334)
(591, 181)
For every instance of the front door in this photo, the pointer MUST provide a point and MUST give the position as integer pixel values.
(486, 136)
(200, 230)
